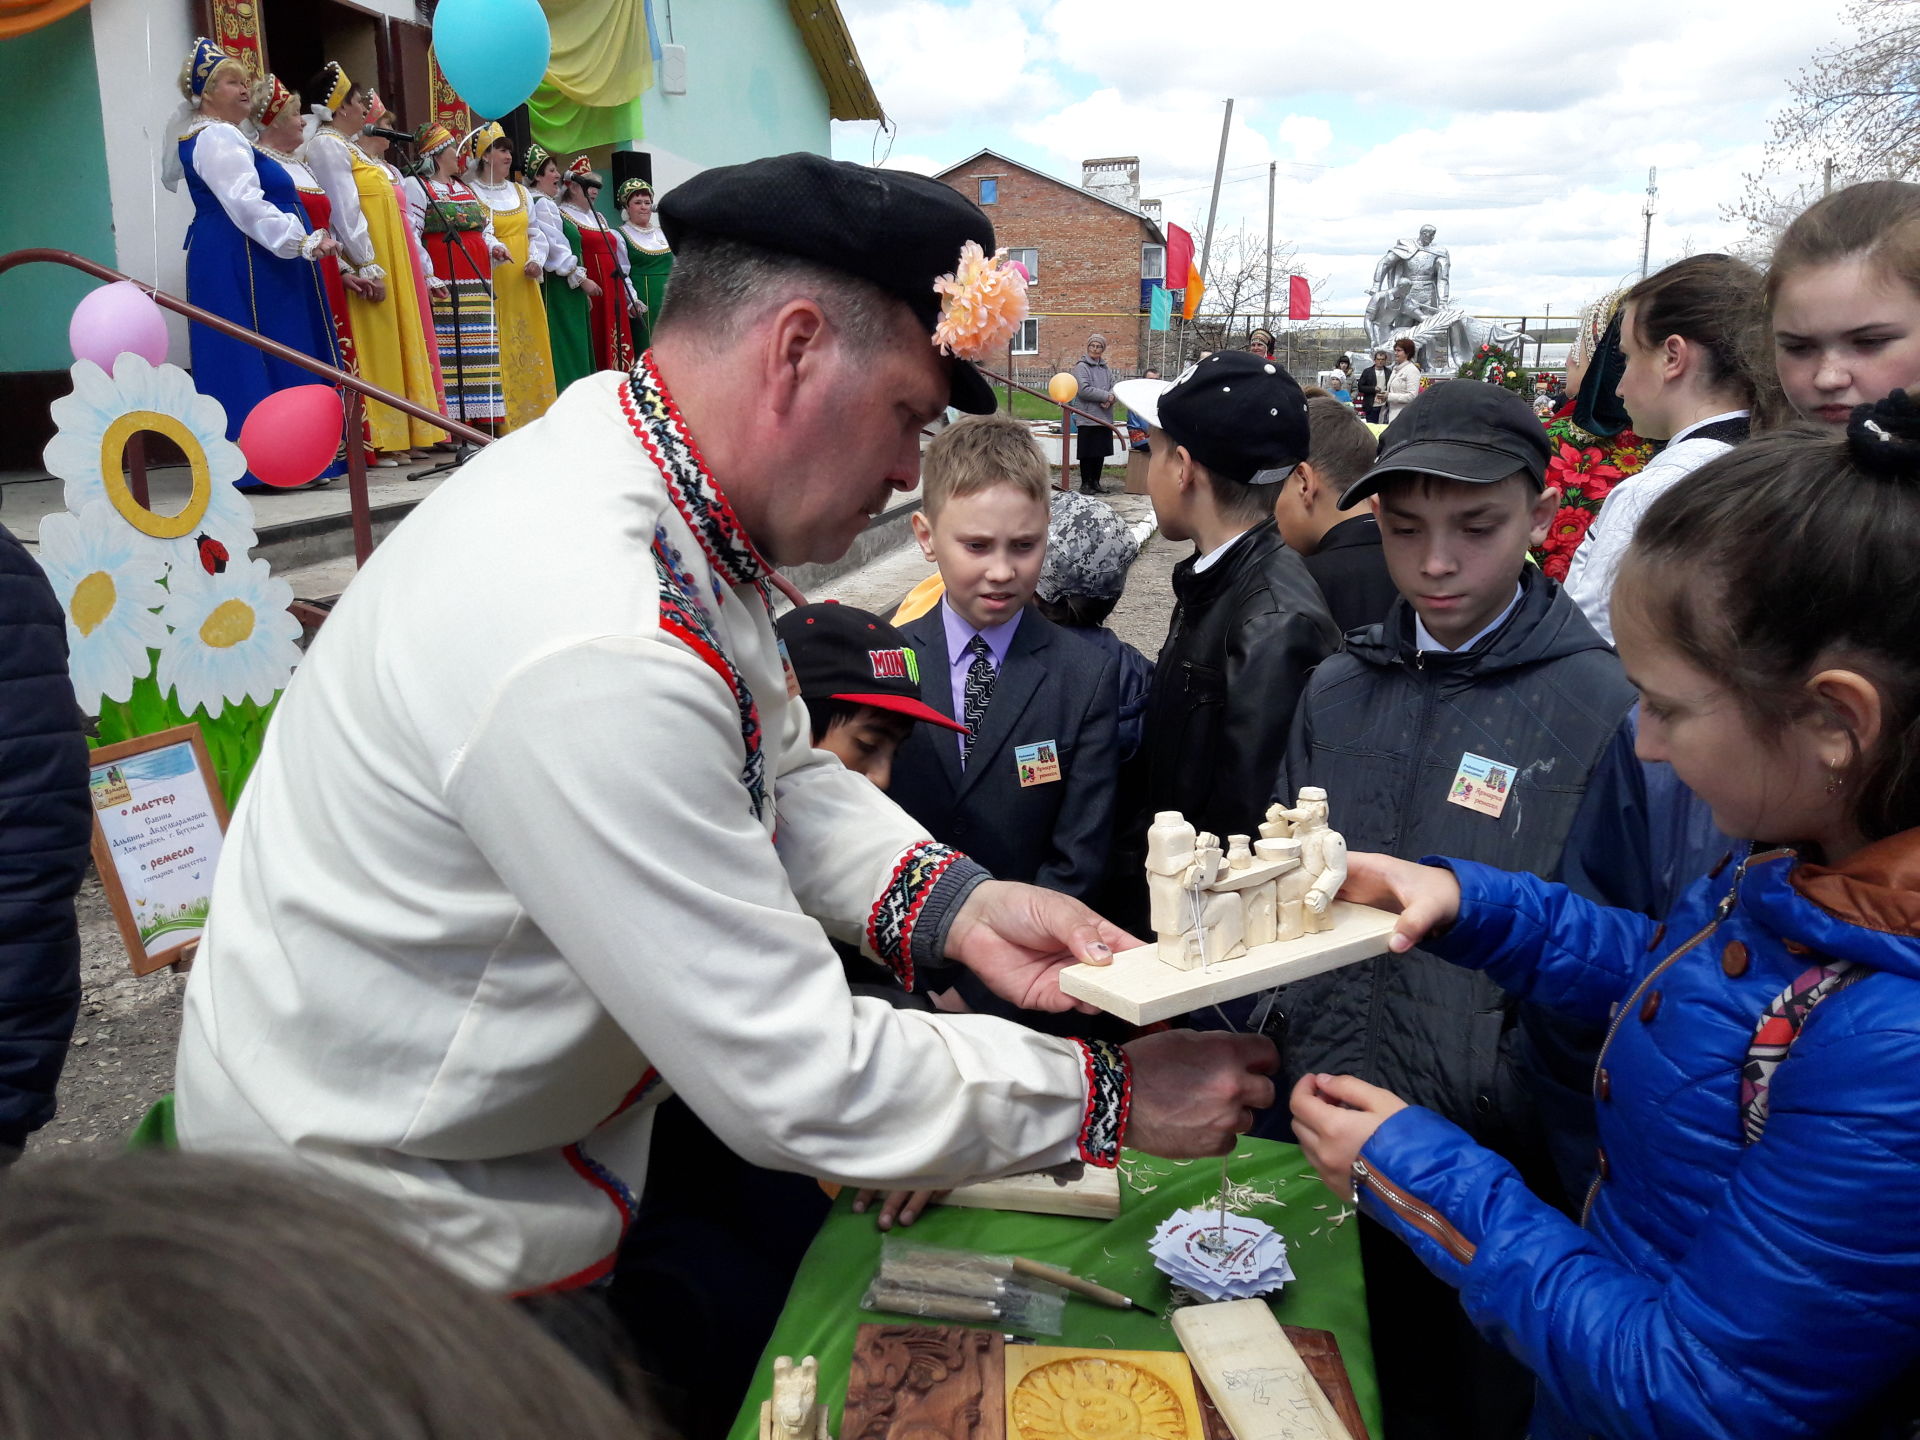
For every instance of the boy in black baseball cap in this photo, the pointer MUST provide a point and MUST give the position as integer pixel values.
(1249, 624)
(861, 683)
(1485, 719)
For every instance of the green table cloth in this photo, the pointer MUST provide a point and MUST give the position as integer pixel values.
(823, 1309)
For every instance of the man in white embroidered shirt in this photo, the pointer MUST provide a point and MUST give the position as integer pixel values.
(537, 834)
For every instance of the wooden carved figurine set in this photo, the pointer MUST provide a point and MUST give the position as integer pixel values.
(1235, 918)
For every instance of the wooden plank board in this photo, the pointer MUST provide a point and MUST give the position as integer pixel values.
(920, 1380)
(1140, 987)
(1075, 1188)
(1061, 1393)
(1321, 1350)
(1262, 1387)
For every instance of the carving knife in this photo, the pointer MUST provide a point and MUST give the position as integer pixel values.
(1067, 1280)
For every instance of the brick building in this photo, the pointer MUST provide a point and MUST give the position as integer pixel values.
(1094, 250)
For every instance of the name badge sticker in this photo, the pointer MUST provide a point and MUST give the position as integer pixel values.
(1481, 784)
(1037, 764)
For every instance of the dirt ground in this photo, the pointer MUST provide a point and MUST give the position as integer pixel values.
(122, 1056)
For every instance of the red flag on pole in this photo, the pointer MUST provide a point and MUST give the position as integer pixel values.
(1179, 257)
(1299, 298)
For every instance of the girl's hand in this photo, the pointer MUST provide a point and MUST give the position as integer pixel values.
(1333, 1118)
(592, 289)
(1427, 897)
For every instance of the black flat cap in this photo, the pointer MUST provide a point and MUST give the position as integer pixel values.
(1460, 430)
(891, 228)
(1237, 413)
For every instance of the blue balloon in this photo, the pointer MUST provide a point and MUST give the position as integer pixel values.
(494, 52)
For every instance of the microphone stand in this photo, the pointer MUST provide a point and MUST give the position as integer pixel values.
(463, 450)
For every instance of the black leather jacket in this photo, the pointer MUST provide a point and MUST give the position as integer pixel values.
(1245, 635)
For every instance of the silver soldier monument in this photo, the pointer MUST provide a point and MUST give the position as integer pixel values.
(1412, 296)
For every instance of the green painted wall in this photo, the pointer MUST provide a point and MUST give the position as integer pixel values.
(57, 195)
(752, 89)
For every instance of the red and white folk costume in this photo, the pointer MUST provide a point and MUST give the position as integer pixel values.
(537, 825)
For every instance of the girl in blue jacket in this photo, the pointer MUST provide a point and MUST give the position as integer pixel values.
(1748, 1262)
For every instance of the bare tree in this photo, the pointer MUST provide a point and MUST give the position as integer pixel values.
(1236, 299)
(1856, 109)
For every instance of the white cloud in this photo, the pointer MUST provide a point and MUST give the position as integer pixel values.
(1525, 142)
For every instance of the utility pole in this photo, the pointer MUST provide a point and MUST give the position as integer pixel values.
(1646, 234)
(1826, 179)
(1540, 346)
(1272, 168)
(1213, 206)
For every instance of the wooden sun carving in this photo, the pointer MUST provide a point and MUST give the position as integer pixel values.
(1096, 1399)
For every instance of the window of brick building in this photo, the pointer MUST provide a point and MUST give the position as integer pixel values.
(1153, 262)
(1029, 257)
(1027, 342)
(989, 192)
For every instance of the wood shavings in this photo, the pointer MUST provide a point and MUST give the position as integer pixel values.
(1241, 1198)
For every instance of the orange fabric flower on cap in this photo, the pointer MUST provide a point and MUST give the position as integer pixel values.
(982, 304)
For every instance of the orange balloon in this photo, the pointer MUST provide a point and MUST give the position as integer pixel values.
(1063, 387)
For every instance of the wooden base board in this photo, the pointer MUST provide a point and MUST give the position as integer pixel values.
(1140, 987)
(1259, 1382)
(1075, 1188)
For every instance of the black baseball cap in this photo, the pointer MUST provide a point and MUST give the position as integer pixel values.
(891, 228)
(840, 653)
(1460, 430)
(1235, 412)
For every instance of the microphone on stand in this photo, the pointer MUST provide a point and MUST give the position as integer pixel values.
(385, 134)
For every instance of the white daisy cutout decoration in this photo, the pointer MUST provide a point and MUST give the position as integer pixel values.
(109, 586)
(232, 638)
(105, 411)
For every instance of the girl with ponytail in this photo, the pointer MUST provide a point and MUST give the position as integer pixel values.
(1748, 1261)
(1687, 381)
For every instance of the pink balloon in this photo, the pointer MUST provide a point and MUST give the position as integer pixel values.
(1021, 267)
(293, 434)
(115, 319)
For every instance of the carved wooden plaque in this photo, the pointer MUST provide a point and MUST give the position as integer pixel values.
(925, 1382)
(1056, 1393)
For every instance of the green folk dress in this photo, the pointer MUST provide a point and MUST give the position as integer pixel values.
(650, 261)
(569, 323)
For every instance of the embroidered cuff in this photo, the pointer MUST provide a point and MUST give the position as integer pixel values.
(908, 926)
(372, 272)
(574, 277)
(1109, 1098)
(310, 246)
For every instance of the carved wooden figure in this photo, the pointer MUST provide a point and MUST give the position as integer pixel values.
(794, 1412)
(1230, 920)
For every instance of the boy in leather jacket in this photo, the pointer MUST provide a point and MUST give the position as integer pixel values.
(1249, 623)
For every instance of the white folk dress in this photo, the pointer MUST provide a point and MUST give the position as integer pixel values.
(537, 833)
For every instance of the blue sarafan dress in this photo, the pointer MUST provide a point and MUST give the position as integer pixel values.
(247, 262)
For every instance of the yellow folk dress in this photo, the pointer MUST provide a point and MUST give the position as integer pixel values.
(526, 351)
(389, 334)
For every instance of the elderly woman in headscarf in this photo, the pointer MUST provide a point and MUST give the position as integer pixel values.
(252, 254)
(1095, 398)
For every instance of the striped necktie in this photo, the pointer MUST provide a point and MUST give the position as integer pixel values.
(980, 676)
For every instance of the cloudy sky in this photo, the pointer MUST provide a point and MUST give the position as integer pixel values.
(1523, 132)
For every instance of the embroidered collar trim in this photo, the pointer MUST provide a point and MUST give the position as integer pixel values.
(662, 430)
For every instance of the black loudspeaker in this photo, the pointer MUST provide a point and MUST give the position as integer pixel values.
(630, 165)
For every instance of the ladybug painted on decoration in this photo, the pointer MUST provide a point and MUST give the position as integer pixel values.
(213, 555)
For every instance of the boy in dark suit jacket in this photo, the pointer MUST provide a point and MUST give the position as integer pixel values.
(1029, 793)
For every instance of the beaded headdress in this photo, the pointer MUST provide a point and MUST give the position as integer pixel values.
(275, 98)
(207, 57)
(535, 158)
(431, 138)
(376, 108)
(582, 170)
(339, 87)
(481, 139)
(630, 188)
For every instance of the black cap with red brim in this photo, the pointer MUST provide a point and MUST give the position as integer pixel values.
(840, 653)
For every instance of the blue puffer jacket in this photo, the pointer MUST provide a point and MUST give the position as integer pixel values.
(46, 821)
(1717, 1289)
